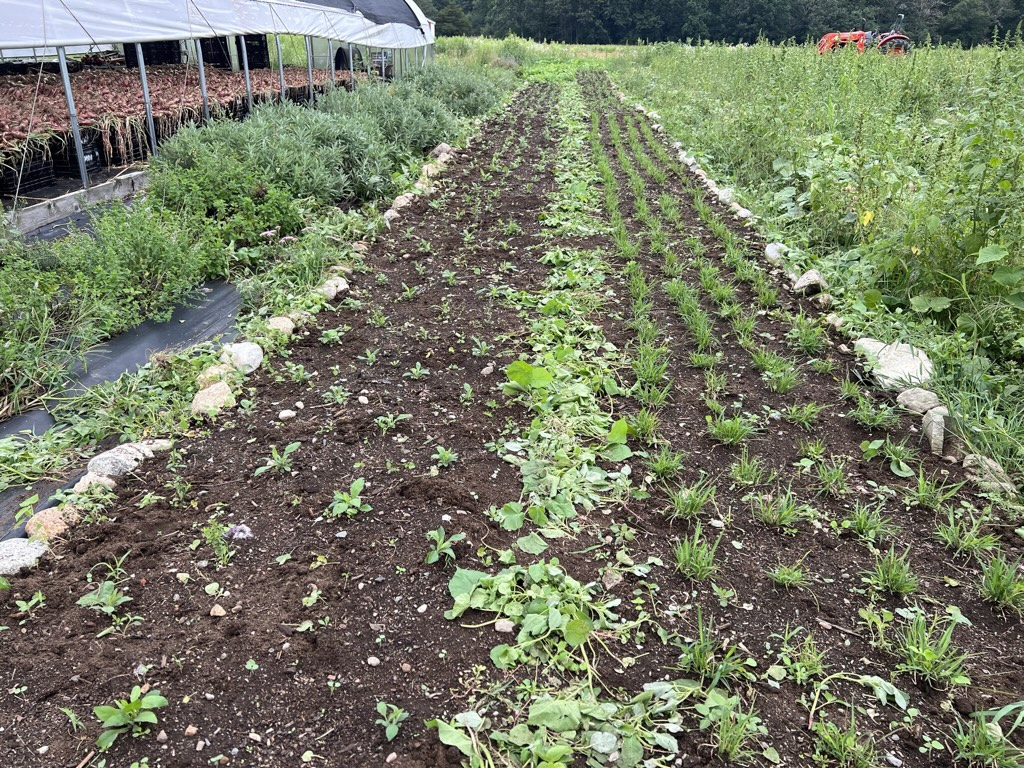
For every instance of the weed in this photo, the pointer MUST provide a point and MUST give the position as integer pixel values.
(749, 471)
(845, 746)
(645, 424)
(688, 501)
(1002, 584)
(709, 658)
(390, 421)
(868, 523)
(349, 503)
(441, 546)
(781, 510)
(444, 456)
(891, 573)
(731, 431)
(804, 415)
(928, 652)
(930, 494)
(789, 576)
(832, 477)
(666, 463)
(962, 532)
(695, 557)
(278, 462)
(133, 715)
(868, 414)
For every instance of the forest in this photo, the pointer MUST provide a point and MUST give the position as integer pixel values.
(969, 22)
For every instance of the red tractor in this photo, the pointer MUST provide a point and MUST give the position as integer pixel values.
(892, 43)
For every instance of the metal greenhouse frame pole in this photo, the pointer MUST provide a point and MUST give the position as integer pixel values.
(352, 66)
(383, 63)
(309, 67)
(75, 130)
(202, 78)
(330, 59)
(245, 69)
(145, 96)
(280, 63)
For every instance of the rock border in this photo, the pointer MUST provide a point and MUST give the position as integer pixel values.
(894, 366)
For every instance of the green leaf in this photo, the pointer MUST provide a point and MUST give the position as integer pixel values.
(1015, 300)
(632, 752)
(503, 656)
(927, 303)
(453, 737)
(991, 253)
(532, 544)
(771, 754)
(1008, 276)
(616, 453)
(558, 716)
(872, 298)
(603, 742)
(106, 740)
(464, 581)
(576, 632)
(900, 468)
(619, 432)
(528, 376)
(391, 731)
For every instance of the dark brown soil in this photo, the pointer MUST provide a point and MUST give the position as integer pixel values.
(258, 691)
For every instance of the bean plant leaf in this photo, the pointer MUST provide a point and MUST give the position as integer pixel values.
(452, 737)
(1008, 277)
(927, 303)
(576, 632)
(464, 581)
(528, 376)
(632, 752)
(883, 690)
(558, 716)
(619, 432)
(990, 254)
(532, 544)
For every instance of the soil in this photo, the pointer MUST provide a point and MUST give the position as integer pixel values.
(254, 687)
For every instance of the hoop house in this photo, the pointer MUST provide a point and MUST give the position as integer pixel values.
(35, 29)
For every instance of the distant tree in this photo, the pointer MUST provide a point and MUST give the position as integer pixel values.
(452, 21)
(969, 21)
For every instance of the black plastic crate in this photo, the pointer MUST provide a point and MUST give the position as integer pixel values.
(65, 155)
(216, 52)
(257, 49)
(36, 173)
(159, 52)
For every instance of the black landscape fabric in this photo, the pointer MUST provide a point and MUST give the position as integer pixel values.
(377, 11)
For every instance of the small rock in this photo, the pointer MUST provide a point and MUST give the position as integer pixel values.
(725, 195)
(341, 269)
(255, 737)
(161, 737)
(834, 321)
(742, 214)
(391, 215)
(213, 374)
(774, 254)
(361, 246)
(199, 745)
(402, 200)
(895, 366)
(246, 356)
(487, 370)
(987, 473)
(156, 445)
(286, 415)
(422, 608)
(90, 479)
(218, 611)
(810, 283)
(211, 400)
(917, 400)
(430, 170)
(335, 287)
(282, 325)
(19, 554)
(191, 730)
(406, 666)
(373, 661)
(363, 400)
(892, 760)
(441, 149)
(505, 626)
(933, 426)
(53, 522)
(117, 461)
(209, 696)
(391, 758)
(824, 300)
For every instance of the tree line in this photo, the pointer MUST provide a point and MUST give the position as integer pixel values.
(971, 22)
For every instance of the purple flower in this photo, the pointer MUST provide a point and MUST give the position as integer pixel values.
(270, 233)
(238, 532)
(288, 239)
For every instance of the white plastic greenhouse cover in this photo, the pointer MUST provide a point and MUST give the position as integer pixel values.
(53, 23)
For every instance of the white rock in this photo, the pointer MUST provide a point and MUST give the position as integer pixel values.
(987, 473)
(441, 149)
(505, 626)
(286, 415)
(391, 215)
(725, 195)
(156, 444)
(336, 286)
(213, 374)
(283, 325)
(444, 159)
(834, 321)
(917, 400)
(117, 461)
(824, 300)
(18, 554)
(90, 479)
(246, 356)
(361, 246)
(810, 283)
(774, 254)
(743, 214)
(933, 426)
(211, 400)
(677, 145)
(363, 400)
(895, 366)
(402, 200)
(430, 170)
(373, 661)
